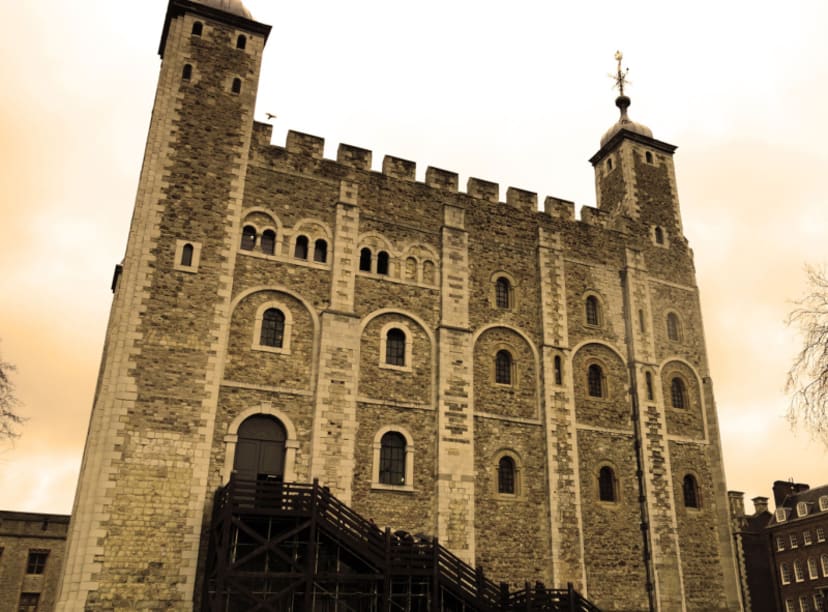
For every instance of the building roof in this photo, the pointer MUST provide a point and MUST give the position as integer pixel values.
(810, 497)
(228, 6)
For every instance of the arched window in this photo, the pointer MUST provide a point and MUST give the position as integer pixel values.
(595, 381)
(268, 242)
(824, 562)
(197, 28)
(673, 327)
(382, 262)
(236, 88)
(395, 347)
(648, 379)
(300, 250)
(260, 449)
(690, 488)
(802, 509)
(813, 568)
(248, 240)
(823, 503)
(606, 485)
(392, 459)
(241, 41)
(503, 367)
(187, 73)
(558, 370)
(273, 328)
(428, 272)
(506, 475)
(678, 393)
(659, 235)
(320, 251)
(503, 291)
(410, 269)
(593, 311)
(187, 255)
(365, 260)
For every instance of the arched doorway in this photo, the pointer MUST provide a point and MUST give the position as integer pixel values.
(260, 450)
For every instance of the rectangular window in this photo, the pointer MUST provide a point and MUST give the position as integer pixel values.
(794, 541)
(37, 561)
(806, 538)
(790, 606)
(819, 602)
(820, 534)
(28, 602)
(780, 543)
(804, 603)
(785, 573)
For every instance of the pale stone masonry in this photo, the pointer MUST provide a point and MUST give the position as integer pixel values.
(571, 349)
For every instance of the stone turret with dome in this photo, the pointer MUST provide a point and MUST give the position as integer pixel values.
(623, 103)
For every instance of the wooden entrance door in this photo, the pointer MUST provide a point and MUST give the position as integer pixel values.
(260, 450)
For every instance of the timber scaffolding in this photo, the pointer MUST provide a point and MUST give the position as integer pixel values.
(290, 547)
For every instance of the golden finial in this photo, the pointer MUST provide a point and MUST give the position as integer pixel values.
(621, 75)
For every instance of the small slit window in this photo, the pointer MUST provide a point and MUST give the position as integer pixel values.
(673, 327)
(593, 311)
(187, 72)
(502, 292)
(268, 242)
(241, 41)
(506, 476)
(558, 370)
(365, 260)
(503, 367)
(300, 250)
(606, 485)
(659, 235)
(595, 381)
(609, 164)
(382, 263)
(392, 459)
(187, 255)
(320, 251)
(649, 157)
(236, 87)
(648, 380)
(248, 240)
(198, 28)
(690, 489)
(678, 393)
(273, 328)
(395, 347)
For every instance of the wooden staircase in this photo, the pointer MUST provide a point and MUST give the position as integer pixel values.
(290, 547)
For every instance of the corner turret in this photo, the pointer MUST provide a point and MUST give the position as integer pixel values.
(634, 172)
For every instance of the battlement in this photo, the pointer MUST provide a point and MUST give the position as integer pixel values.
(398, 168)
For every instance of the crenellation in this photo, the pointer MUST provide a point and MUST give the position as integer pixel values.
(397, 167)
(483, 190)
(559, 209)
(441, 179)
(595, 216)
(520, 198)
(354, 157)
(305, 144)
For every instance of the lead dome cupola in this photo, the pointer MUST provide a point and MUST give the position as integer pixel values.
(234, 7)
(623, 103)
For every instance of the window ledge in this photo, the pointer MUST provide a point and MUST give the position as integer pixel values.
(271, 349)
(388, 366)
(405, 488)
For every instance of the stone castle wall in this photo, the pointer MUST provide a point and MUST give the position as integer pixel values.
(184, 365)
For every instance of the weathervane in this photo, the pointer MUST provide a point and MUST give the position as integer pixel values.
(621, 76)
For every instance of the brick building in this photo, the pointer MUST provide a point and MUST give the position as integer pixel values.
(796, 535)
(750, 535)
(530, 388)
(31, 556)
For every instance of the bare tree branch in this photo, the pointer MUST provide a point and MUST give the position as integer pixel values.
(808, 376)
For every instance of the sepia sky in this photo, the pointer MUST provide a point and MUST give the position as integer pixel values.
(516, 93)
